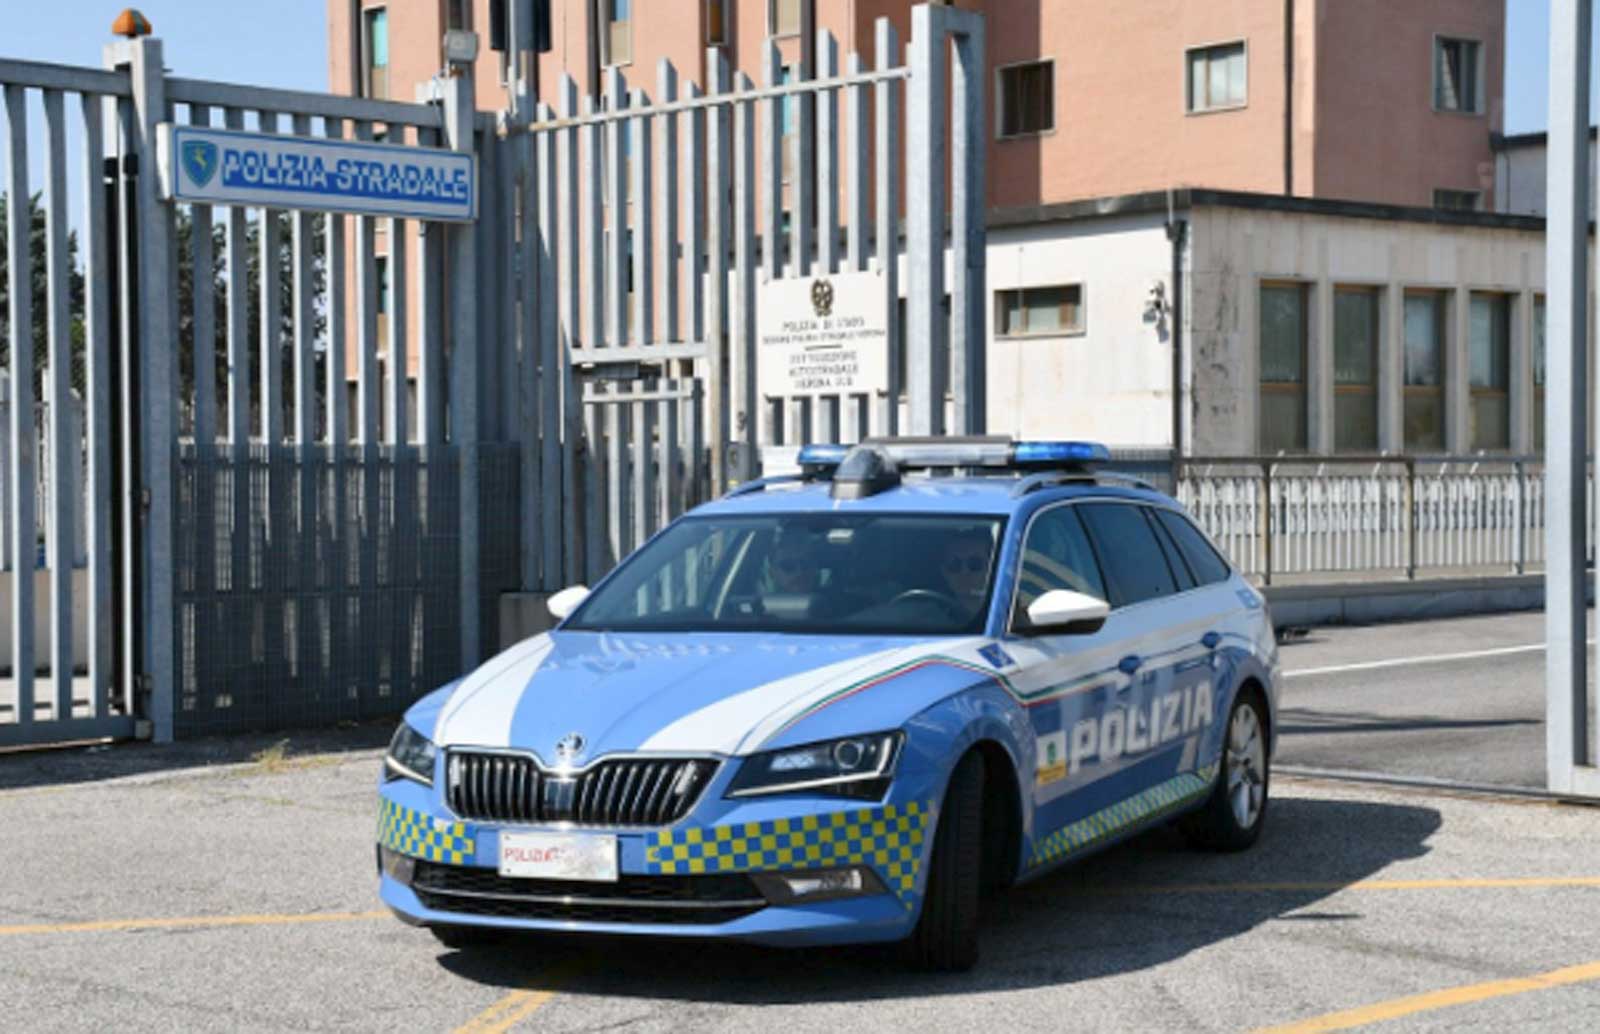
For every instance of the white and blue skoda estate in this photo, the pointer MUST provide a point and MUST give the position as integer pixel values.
(842, 706)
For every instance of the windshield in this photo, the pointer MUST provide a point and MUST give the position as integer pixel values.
(813, 573)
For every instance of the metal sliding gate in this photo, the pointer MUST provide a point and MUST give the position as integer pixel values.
(266, 467)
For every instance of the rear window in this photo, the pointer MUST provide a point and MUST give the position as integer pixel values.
(1207, 566)
(1135, 567)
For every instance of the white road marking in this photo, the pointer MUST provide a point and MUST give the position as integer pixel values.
(1438, 658)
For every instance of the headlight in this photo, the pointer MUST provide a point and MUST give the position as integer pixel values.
(856, 766)
(410, 756)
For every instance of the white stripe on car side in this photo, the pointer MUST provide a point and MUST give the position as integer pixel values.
(479, 712)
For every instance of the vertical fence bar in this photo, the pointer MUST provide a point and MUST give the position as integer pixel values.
(460, 134)
(395, 369)
(60, 526)
(643, 236)
(746, 419)
(302, 228)
(616, 188)
(271, 243)
(858, 158)
(551, 357)
(97, 416)
(887, 128)
(694, 208)
(968, 207)
(827, 104)
(717, 230)
(570, 315)
(666, 186)
(205, 311)
(772, 165)
(430, 324)
(334, 355)
(19, 287)
(802, 172)
(530, 331)
(926, 334)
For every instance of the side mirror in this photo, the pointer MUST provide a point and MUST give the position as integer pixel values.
(566, 601)
(1064, 612)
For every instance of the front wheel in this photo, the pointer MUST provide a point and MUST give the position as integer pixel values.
(946, 937)
(1232, 817)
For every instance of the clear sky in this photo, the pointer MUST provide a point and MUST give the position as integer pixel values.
(284, 43)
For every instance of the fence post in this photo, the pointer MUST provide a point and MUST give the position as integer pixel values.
(155, 400)
(1411, 518)
(460, 114)
(1520, 536)
(1266, 538)
(926, 319)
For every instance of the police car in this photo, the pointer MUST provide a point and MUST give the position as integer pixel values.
(841, 706)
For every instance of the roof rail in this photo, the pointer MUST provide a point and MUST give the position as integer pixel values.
(1053, 479)
(762, 484)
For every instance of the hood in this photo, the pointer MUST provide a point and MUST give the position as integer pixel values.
(722, 693)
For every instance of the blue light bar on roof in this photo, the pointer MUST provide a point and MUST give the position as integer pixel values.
(1057, 454)
(816, 459)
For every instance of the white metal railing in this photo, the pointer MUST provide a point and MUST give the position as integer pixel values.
(1382, 514)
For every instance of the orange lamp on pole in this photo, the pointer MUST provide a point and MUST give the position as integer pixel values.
(132, 24)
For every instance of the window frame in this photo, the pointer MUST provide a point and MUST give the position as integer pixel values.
(1538, 356)
(727, 13)
(1000, 99)
(368, 16)
(1112, 588)
(1012, 612)
(1479, 63)
(604, 19)
(1507, 317)
(1374, 294)
(1189, 53)
(1080, 330)
(1303, 385)
(1441, 297)
(1459, 194)
(772, 20)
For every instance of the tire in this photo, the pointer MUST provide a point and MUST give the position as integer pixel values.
(946, 935)
(1232, 817)
(466, 938)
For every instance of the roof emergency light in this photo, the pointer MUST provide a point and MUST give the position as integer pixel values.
(876, 464)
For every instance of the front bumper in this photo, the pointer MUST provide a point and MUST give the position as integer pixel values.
(699, 867)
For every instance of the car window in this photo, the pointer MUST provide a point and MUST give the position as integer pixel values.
(1057, 555)
(1208, 567)
(1129, 553)
(1175, 562)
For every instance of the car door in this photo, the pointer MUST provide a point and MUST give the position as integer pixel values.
(1068, 681)
(1166, 704)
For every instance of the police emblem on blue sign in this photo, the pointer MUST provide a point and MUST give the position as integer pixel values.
(200, 161)
(995, 655)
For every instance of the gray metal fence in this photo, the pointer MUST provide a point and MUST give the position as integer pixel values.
(1381, 515)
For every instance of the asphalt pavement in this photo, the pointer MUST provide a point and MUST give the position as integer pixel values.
(229, 886)
(1460, 700)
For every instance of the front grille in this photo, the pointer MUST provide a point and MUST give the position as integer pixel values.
(631, 899)
(623, 792)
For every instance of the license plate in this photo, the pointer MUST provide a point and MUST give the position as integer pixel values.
(559, 856)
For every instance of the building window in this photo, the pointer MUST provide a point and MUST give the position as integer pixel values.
(1457, 200)
(1538, 374)
(1217, 77)
(458, 14)
(1283, 368)
(1456, 75)
(716, 23)
(1355, 369)
(1424, 373)
(1027, 98)
(375, 52)
(1035, 311)
(1489, 369)
(784, 17)
(618, 18)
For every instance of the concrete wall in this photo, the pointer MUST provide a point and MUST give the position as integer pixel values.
(1521, 178)
(1236, 248)
(1110, 383)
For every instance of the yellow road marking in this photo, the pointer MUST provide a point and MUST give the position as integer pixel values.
(507, 1012)
(188, 921)
(1432, 1000)
(1361, 885)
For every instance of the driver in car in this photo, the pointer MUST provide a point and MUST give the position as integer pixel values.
(794, 565)
(965, 567)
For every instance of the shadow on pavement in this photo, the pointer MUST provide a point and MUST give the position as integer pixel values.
(80, 764)
(1105, 916)
(1295, 721)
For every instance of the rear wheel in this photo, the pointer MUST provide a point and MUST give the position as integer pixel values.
(946, 937)
(1232, 817)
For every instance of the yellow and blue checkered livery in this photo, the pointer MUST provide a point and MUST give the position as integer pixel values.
(888, 838)
(1087, 832)
(421, 836)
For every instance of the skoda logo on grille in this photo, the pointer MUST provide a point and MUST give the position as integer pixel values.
(569, 746)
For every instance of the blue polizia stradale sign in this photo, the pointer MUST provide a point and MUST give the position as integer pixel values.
(225, 167)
